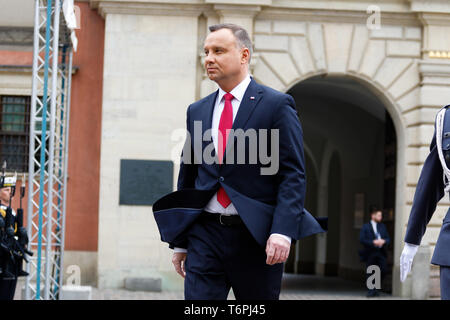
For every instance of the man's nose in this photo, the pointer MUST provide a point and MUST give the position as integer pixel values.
(209, 59)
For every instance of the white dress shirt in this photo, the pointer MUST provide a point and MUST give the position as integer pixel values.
(374, 227)
(238, 92)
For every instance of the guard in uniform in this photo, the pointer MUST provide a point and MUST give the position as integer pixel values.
(8, 265)
(433, 183)
(13, 238)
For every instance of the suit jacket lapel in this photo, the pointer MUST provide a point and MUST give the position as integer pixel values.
(207, 122)
(252, 96)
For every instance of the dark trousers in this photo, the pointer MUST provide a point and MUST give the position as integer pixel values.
(445, 282)
(223, 257)
(379, 259)
(7, 289)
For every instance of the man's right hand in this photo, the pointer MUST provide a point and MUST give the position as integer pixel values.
(379, 243)
(178, 260)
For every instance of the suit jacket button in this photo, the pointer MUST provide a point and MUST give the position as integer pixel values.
(222, 179)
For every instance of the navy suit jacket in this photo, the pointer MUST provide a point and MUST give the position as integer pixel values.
(266, 203)
(429, 190)
(366, 237)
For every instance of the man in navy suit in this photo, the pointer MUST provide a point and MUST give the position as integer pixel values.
(237, 209)
(375, 238)
(432, 185)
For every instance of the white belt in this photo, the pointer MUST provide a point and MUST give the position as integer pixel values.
(439, 128)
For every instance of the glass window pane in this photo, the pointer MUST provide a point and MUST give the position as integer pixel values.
(13, 114)
(14, 131)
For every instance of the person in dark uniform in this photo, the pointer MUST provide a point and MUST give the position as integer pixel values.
(8, 277)
(375, 238)
(432, 185)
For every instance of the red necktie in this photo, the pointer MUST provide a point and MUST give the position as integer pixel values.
(226, 123)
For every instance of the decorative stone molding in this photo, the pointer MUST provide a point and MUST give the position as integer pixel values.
(338, 16)
(95, 3)
(16, 69)
(16, 79)
(439, 54)
(438, 6)
(148, 8)
(236, 10)
(436, 27)
(395, 12)
(16, 36)
(437, 19)
(241, 2)
(434, 72)
(25, 69)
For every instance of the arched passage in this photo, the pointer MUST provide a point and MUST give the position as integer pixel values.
(334, 216)
(352, 138)
(303, 254)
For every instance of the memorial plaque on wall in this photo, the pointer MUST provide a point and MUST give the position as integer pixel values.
(142, 182)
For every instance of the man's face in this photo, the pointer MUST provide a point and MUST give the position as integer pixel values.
(223, 57)
(4, 194)
(377, 216)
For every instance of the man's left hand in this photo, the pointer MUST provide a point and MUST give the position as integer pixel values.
(277, 249)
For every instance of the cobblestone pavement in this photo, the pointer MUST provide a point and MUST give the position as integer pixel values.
(120, 294)
(294, 287)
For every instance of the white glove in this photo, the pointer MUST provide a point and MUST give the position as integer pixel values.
(406, 259)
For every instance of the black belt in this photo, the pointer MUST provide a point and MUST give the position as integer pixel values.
(223, 219)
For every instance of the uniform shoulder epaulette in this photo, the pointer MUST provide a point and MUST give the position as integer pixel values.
(447, 109)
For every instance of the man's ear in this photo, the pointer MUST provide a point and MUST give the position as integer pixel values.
(245, 55)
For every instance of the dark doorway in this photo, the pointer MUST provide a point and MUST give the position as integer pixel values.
(351, 154)
(334, 208)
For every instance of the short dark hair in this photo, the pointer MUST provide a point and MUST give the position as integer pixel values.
(373, 209)
(241, 35)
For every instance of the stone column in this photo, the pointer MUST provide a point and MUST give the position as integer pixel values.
(421, 274)
(150, 78)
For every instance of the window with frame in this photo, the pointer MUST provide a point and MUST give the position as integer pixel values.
(14, 131)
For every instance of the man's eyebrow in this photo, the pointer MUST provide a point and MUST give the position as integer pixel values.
(214, 47)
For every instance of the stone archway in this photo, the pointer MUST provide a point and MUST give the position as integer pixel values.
(349, 141)
(384, 61)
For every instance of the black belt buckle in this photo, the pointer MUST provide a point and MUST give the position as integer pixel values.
(221, 222)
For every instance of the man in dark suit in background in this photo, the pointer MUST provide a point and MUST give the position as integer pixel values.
(375, 238)
(232, 220)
